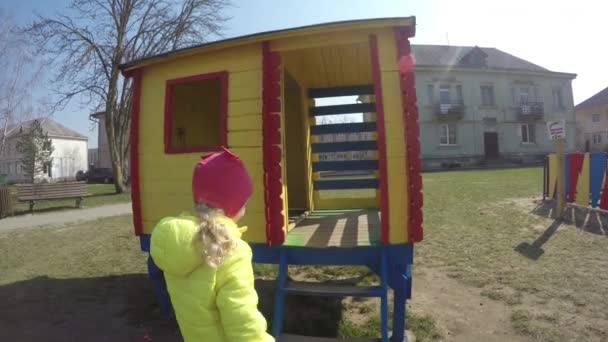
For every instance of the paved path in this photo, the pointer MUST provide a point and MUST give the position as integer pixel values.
(63, 217)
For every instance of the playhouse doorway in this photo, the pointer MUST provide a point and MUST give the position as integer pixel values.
(331, 148)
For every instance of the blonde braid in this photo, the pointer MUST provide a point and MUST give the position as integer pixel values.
(217, 242)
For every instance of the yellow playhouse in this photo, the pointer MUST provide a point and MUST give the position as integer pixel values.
(320, 195)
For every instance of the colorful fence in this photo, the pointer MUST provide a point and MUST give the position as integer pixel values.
(585, 179)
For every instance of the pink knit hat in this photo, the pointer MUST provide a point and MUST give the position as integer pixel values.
(221, 181)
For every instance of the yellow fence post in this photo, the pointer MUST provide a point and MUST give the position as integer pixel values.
(561, 178)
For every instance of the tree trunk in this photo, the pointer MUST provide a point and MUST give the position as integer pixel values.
(119, 179)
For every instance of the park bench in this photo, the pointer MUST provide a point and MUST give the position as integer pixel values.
(33, 193)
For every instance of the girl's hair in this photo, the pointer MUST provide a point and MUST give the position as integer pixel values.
(217, 242)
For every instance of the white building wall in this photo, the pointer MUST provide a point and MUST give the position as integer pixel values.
(69, 157)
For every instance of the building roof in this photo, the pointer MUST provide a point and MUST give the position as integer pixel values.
(600, 98)
(49, 126)
(471, 57)
(271, 35)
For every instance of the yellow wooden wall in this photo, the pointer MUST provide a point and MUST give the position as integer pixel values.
(296, 165)
(395, 143)
(166, 178)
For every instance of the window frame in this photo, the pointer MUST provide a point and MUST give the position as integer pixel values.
(597, 141)
(558, 97)
(447, 129)
(593, 116)
(445, 89)
(490, 93)
(222, 76)
(528, 142)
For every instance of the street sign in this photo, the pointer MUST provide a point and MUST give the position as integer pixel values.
(556, 129)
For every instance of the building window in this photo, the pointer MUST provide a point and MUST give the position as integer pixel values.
(444, 94)
(447, 134)
(430, 94)
(524, 95)
(595, 118)
(487, 96)
(557, 98)
(528, 134)
(196, 113)
(597, 138)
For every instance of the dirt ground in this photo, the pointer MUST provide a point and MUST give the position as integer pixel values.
(460, 312)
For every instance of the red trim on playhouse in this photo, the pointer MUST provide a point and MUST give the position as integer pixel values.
(412, 131)
(380, 128)
(271, 129)
(134, 163)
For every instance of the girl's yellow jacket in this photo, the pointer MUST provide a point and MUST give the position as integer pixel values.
(213, 305)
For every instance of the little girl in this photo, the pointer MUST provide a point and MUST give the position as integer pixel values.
(207, 266)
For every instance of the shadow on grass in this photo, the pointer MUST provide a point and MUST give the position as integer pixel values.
(534, 251)
(122, 308)
(113, 308)
(589, 221)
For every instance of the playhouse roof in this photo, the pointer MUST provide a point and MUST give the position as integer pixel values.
(271, 35)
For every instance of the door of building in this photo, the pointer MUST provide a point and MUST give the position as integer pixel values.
(490, 143)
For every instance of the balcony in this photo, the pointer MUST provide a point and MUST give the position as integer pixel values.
(451, 110)
(530, 111)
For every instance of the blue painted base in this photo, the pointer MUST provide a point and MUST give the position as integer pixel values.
(396, 271)
(398, 265)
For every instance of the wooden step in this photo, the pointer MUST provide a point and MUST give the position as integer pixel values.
(297, 338)
(332, 290)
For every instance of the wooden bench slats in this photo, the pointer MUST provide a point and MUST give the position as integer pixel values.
(50, 192)
(50, 186)
(44, 194)
(38, 192)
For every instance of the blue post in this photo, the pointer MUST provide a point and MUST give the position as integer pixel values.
(401, 293)
(279, 296)
(160, 288)
(399, 315)
(384, 298)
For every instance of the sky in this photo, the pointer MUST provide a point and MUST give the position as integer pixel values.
(564, 36)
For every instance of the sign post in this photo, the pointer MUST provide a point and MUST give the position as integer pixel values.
(557, 133)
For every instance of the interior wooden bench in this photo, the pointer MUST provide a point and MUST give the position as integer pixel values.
(33, 193)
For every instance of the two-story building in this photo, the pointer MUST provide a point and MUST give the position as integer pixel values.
(480, 104)
(69, 155)
(592, 122)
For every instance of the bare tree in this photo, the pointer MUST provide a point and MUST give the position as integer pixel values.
(19, 72)
(91, 38)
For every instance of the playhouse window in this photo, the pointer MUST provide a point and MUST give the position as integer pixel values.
(195, 113)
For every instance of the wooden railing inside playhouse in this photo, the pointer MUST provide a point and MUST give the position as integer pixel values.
(585, 179)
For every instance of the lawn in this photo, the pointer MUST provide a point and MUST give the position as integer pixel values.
(101, 194)
(479, 229)
(476, 224)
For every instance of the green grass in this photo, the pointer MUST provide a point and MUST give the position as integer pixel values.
(423, 327)
(475, 220)
(91, 249)
(101, 194)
